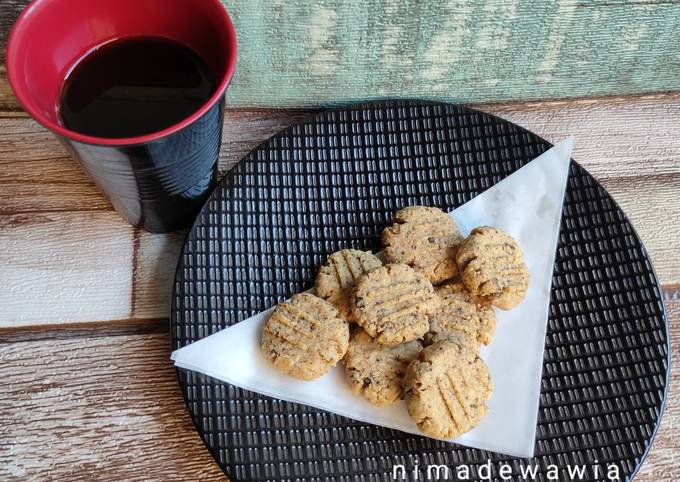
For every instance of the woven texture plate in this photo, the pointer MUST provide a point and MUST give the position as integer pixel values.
(334, 181)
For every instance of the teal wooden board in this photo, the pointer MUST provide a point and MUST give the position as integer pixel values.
(296, 53)
(327, 52)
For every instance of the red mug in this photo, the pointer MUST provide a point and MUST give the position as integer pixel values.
(156, 181)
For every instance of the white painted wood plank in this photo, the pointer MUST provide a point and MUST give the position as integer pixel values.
(64, 268)
(155, 263)
(618, 137)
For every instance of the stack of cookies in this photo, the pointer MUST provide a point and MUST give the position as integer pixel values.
(410, 328)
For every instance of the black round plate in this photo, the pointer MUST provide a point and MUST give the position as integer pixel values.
(334, 181)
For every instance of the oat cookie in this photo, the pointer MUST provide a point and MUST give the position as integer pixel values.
(446, 389)
(424, 238)
(337, 276)
(492, 267)
(392, 303)
(460, 315)
(305, 336)
(376, 371)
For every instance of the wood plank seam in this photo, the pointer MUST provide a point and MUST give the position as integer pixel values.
(67, 331)
(133, 282)
(11, 111)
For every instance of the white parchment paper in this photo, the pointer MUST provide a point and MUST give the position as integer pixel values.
(527, 205)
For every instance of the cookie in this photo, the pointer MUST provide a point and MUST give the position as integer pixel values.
(492, 267)
(424, 238)
(446, 389)
(460, 315)
(305, 336)
(337, 276)
(376, 371)
(392, 303)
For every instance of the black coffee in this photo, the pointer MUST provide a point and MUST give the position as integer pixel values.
(134, 86)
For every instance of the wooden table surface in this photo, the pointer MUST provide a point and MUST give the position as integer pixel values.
(88, 390)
